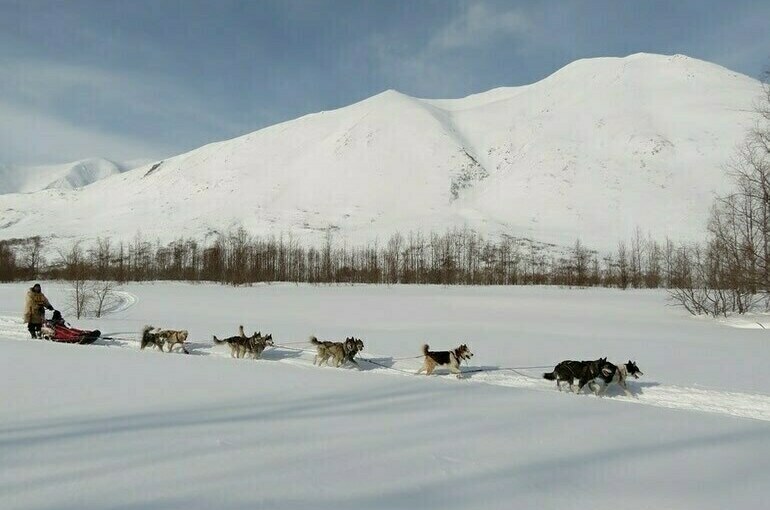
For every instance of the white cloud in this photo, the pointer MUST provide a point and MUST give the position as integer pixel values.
(30, 136)
(38, 124)
(479, 24)
(432, 66)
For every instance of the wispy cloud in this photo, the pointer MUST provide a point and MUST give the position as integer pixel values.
(441, 64)
(479, 24)
(78, 111)
(32, 136)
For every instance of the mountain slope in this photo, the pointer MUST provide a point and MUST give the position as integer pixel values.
(592, 151)
(68, 176)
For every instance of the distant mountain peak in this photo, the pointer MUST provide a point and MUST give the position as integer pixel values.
(66, 176)
(594, 150)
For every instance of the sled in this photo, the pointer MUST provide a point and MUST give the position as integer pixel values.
(67, 335)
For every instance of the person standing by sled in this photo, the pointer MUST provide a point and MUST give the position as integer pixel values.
(34, 310)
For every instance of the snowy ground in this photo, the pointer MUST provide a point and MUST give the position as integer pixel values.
(111, 427)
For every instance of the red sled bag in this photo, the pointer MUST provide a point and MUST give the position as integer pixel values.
(67, 335)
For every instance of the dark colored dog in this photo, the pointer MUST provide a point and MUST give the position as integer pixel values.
(150, 336)
(584, 371)
(241, 344)
(259, 344)
(352, 347)
(619, 374)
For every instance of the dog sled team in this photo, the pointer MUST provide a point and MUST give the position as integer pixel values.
(586, 373)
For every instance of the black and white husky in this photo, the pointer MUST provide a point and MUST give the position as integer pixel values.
(584, 371)
(452, 358)
(619, 375)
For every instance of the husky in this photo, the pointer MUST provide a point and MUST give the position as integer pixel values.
(259, 343)
(584, 371)
(241, 344)
(326, 350)
(172, 337)
(619, 375)
(352, 347)
(150, 336)
(438, 358)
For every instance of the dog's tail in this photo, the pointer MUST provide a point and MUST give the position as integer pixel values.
(314, 340)
(241, 332)
(551, 376)
(425, 349)
(145, 337)
(217, 340)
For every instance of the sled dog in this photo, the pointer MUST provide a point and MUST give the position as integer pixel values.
(619, 375)
(172, 337)
(241, 344)
(453, 358)
(326, 350)
(352, 347)
(150, 336)
(584, 371)
(259, 343)
(338, 352)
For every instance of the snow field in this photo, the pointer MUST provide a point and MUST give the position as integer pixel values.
(109, 426)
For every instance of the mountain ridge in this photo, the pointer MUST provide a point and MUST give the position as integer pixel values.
(594, 150)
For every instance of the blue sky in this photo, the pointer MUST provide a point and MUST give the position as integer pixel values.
(148, 79)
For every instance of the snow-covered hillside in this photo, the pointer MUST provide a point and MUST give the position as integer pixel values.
(68, 176)
(107, 426)
(594, 150)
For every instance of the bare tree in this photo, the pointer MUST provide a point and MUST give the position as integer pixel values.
(74, 272)
(622, 261)
(581, 258)
(652, 267)
(31, 256)
(8, 269)
(635, 258)
(103, 296)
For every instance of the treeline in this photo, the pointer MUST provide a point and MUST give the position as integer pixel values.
(730, 270)
(456, 257)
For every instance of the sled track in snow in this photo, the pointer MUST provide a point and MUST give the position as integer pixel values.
(742, 405)
(123, 301)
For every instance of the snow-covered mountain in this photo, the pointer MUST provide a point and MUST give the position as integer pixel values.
(592, 151)
(68, 176)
